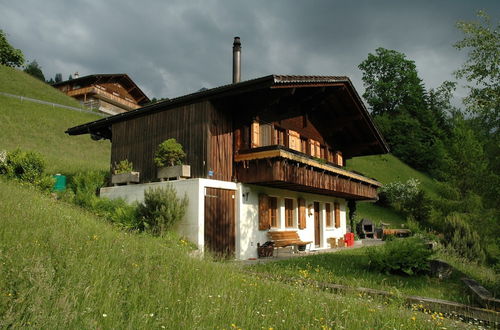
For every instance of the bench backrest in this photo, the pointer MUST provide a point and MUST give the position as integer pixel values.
(283, 235)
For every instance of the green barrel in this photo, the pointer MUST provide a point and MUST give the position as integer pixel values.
(60, 184)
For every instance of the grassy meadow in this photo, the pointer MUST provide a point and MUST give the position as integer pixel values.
(61, 267)
(38, 127)
(351, 268)
(17, 82)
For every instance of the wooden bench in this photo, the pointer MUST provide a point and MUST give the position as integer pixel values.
(283, 239)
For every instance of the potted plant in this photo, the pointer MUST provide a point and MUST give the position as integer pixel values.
(168, 159)
(123, 173)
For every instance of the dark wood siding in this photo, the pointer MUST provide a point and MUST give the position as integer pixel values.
(137, 139)
(220, 148)
(281, 173)
(220, 221)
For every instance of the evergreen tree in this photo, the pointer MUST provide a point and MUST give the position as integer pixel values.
(35, 70)
(58, 77)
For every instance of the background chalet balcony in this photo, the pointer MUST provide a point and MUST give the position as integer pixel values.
(104, 95)
(280, 167)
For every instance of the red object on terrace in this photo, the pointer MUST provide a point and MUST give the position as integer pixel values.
(349, 239)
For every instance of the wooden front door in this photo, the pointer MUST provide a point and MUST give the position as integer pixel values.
(220, 221)
(317, 225)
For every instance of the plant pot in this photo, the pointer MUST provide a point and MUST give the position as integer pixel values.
(125, 178)
(174, 172)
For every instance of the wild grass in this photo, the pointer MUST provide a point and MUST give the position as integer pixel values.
(351, 268)
(484, 275)
(17, 82)
(61, 267)
(38, 127)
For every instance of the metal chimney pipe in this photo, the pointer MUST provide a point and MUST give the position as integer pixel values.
(236, 60)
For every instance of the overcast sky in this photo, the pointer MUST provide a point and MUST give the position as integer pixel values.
(171, 48)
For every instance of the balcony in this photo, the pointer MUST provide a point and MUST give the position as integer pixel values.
(104, 95)
(280, 167)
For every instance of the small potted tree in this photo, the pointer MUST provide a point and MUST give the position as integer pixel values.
(123, 173)
(168, 159)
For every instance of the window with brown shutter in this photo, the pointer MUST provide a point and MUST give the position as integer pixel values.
(264, 223)
(288, 212)
(328, 211)
(337, 214)
(302, 213)
(273, 212)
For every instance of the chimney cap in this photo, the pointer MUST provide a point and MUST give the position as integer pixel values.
(236, 42)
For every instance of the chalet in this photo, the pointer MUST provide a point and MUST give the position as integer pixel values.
(109, 93)
(266, 154)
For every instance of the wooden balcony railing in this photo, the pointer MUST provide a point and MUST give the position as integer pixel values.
(281, 168)
(106, 96)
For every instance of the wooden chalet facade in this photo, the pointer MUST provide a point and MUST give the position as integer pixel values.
(276, 144)
(109, 93)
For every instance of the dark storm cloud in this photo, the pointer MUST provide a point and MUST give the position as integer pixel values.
(175, 47)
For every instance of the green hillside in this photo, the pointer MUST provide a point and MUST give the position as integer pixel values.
(61, 267)
(386, 169)
(17, 82)
(38, 127)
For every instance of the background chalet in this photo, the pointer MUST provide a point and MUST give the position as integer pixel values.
(108, 93)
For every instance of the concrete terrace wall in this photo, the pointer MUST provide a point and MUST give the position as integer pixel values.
(246, 211)
(191, 226)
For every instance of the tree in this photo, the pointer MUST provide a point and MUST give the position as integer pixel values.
(58, 77)
(70, 77)
(392, 83)
(35, 70)
(9, 55)
(482, 68)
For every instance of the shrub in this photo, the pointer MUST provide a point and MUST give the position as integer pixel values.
(45, 182)
(460, 238)
(26, 166)
(408, 256)
(398, 193)
(418, 207)
(124, 166)
(169, 153)
(161, 209)
(86, 185)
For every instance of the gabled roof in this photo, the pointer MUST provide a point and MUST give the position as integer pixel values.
(121, 78)
(102, 127)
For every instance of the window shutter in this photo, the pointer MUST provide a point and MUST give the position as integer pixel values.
(264, 218)
(337, 214)
(294, 140)
(338, 158)
(302, 213)
(255, 135)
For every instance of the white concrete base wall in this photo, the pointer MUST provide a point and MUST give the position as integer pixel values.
(192, 225)
(247, 211)
(248, 233)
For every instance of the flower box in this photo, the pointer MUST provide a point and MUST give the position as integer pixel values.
(125, 178)
(174, 172)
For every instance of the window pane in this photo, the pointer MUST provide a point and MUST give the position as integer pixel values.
(273, 211)
(288, 212)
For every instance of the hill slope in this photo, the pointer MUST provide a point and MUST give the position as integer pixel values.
(38, 127)
(17, 82)
(387, 169)
(61, 267)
